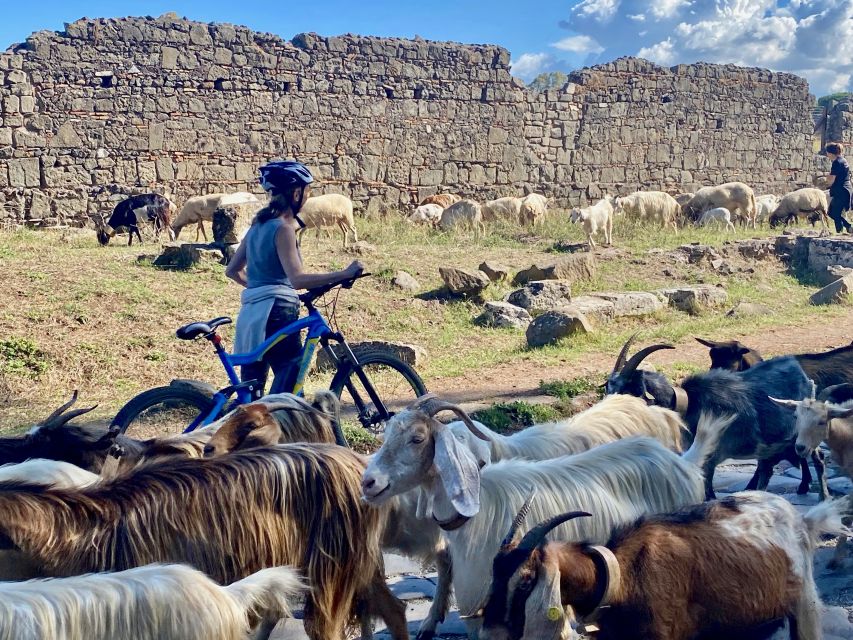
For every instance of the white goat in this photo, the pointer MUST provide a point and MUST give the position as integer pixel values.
(598, 217)
(655, 206)
(465, 213)
(507, 208)
(718, 215)
(427, 214)
(48, 472)
(764, 206)
(533, 208)
(616, 417)
(154, 602)
(618, 482)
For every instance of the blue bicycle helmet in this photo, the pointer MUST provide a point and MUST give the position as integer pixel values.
(284, 174)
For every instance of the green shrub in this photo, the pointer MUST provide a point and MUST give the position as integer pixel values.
(22, 357)
(566, 389)
(512, 416)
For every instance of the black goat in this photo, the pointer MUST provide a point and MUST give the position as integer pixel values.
(760, 429)
(826, 369)
(137, 210)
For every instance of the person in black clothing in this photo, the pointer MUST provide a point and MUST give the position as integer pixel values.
(840, 188)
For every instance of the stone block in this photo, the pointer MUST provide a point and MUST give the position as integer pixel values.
(835, 292)
(184, 255)
(749, 309)
(553, 326)
(495, 271)
(694, 298)
(542, 295)
(169, 58)
(156, 135)
(631, 303)
(577, 267)
(503, 314)
(66, 137)
(405, 281)
(24, 172)
(463, 281)
(593, 308)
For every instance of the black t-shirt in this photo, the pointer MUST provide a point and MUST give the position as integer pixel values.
(841, 171)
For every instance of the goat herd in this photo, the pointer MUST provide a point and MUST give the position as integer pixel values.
(595, 524)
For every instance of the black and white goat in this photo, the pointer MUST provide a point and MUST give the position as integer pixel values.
(761, 429)
(135, 211)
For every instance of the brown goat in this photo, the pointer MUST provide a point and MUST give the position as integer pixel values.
(730, 568)
(228, 517)
(443, 200)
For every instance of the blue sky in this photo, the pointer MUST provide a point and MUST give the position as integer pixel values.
(813, 38)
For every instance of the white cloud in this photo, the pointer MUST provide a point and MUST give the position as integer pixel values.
(813, 38)
(579, 44)
(530, 65)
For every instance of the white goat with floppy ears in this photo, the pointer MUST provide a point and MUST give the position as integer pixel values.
(618, 482)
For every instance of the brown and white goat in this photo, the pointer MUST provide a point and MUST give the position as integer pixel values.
(728, 568)
(228, 517)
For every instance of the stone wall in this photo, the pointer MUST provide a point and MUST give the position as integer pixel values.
(839, 123)
(111, 107)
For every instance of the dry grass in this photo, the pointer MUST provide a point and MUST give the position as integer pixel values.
(76, 315)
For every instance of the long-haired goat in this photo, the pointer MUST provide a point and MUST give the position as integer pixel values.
(619, 481)
(228, 516)
(155, 602)
(54, 473)
(614, 418)
(760, 430)
(821, 421)
(732, 568)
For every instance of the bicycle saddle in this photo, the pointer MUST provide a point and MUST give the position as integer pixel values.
(193, 330)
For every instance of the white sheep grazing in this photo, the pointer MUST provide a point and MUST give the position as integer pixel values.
(508, 208)
(429, 214)
(199, 209)
(618, 482)
(54, 473)
(598, 217)
(737, 197)
(154, 602)
(465, 213)
(327, 211)
(533, 207)
(802, 201)
(651, 206)
(718, 215)
(764, 206)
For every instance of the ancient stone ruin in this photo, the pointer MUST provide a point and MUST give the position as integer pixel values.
(115, 106)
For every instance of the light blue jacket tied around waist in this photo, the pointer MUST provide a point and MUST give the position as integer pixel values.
(256, 305)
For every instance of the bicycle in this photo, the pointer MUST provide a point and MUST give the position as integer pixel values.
(200, 404)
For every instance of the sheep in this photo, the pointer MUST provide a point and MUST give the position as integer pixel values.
(443, 200)
(533, 207)
(821, 421)
(761, 429)
(463, 213)
(48, 472)
(598, 217)
(228, 516)
(131, 212)
(764, 207)
(507, 208)
(649, 206)
(735, 567)
(329, 210)
(719, 215)
(199, 209)
(426, 214)
(620, 480)
(737, 197)
(799, 202)
(154, 602)
(614, 418)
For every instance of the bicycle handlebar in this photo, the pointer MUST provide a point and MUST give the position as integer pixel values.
(312, 294)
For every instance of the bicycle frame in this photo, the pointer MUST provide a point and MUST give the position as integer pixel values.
(317, 328)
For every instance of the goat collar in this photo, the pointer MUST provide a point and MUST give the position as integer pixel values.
(681, 400)
(608, 579)
(453, 524)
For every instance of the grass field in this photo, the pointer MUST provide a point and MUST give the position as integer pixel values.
(79, 316)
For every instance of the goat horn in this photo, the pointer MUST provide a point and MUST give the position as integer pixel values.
(536, 535)
(431, 405)
(813, 388)
(707, 343)
(68, 417)
(623, 354)
(512, 537)
(641, 355)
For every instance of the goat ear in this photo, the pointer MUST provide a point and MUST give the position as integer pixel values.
(459, 472)
(839, 412)
(787, 404)
(546, 617)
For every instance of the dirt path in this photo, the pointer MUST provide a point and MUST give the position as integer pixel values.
(521, 379)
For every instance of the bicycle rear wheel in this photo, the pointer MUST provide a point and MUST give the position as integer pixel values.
(162, 411)
(396, 384)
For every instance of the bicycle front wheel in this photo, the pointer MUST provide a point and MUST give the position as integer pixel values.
(162, 411)
(394, 382)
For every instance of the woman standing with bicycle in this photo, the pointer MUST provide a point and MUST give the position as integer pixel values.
(268, 264)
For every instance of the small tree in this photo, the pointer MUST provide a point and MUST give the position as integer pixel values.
(551, 80)
(824, 101)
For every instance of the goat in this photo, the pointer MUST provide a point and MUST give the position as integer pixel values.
(821, 421)
(614, 418)
(826, 369)
(228, 516)
(155, 602)
(131, 212)
(735, 567)
(48, 472)
(620, 481)
(198, 209)
(719, 215)
(761, 429)
(598, 217)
